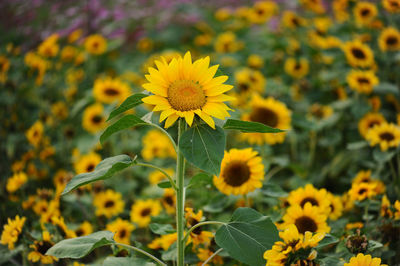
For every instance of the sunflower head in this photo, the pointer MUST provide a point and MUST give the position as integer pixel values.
(389, 39)
(122, 230)
(108, 203)
(365, 260)
(387, 135)
(358, 54)
(143, 210)
(365, 12)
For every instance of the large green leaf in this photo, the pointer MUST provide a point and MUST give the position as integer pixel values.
(161, 229)
(79, 247)
(247, 236)
(129, 103)
(105, 169)
(247, 126)
(123, 123)
(126, 261)
(204, 147)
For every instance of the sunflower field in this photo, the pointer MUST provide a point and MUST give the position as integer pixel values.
(230, 132)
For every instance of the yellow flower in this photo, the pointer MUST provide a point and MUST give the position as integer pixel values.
(361, 191)
(95, 44)
(226, 42)
(203, 39)
(143, 210)
(357, 225)
(255, 61)
(387, 135)
(362, 81)
(222, 14)
(204, 253)
(16, 181)
(87, 163)
(40, 249)
(393, 6)
(397, 210)
(314, 5)
(108, 203)
(109, 90)
(35, 133)
(93, 118)
(336, 206)
(157, 145)
(320, 111)
(156, 176)
(4, 66)
(269, 112)
(11, 231)
(49, 47)
(364, 260)
(145, 44)
(262, 11)
(291, 20)
(84, 229)
(242, 171)
(164, 241)
(365, 13)
(296, 68)
(59, 110)
(317, 197)
(368, 121)
(68, 53)
(358, 54)
(197, 236)
(385, 207)
(168, 200)
(75, 35)
(122, 230)
(59, 222)
(389, 39)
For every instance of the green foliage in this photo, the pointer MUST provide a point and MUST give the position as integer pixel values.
(248, 127)
(125, 122)
(129, 103)
(162, 229)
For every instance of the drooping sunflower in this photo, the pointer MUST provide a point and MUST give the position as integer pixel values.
(40, 249)
(365, 12)
(93, 119)
(168, 200)
(242, 171)
(95, 44)
(122, 230)
(11, 231)
(16, 181)
(393, 6)
(109, 90)
(361, 191)
(84, 229)
(358, 54)
(183, 89)
(362, 81)
(364, 260)
(317, 197)
(308, 218)
(143, 210)
(368, 121)
(108, 203)
(389, 39)
(86, 163)
(35, 133)
(269, 112)
(296, 68)
(387, 135)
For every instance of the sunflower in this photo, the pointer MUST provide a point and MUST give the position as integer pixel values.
(157, 145)
(317, 197)
(109, 90)
(361, 191)
(292, 21)
(362, 81)
(389, 39)
(16, 181)
(122, 230)
(358, 54)
(145, 44)
(336, 206)
(204, 253)
(60, 180)
(156, 176)
(226, 42)
(40, 249)
(86, 163)
(35, 133)
(164, 241)
(296, 68)
(320, 112)
(364, 260)
(262, 11)
(108, 203)
(255, 61)
(269, 112)
(84, 229)
(308, 218)
(59, 222)
(143, 210)
(95, 44)
(168, 200)
(387, 135)
(247, 82)
(242, 171)
(385, 208)
(365, 177)
(368, 121)
(49, 47)
(197, 236)
(183, 89)
(11, 231)
(68, 54)
(316, 6)
(397, 208)
(365, 13)
(93, 119)
(393, 6)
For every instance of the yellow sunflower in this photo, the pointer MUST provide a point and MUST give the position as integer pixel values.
(364, 260)
(262, 11)
(255, 61)
(336, 206)
(249, 80)
(226, 42)
(387, 135)
(385, 208)
(316, 6)
(389, 39)
(68, 53)
(95, 44)
(122, 230)
(291, 20)
(204, 253)
(269, 112)
(35, 133)
(16, 181)
(319, 111)
(242, 171)
(362, 81)
(157, 145)
(40, 249)
(308, 218)
(108, 203)
(86, 163)
(393, 6)
(168, 200)
(361, 191)
(156, 176)
(164, 241)
(296, 68)
(59, 222)
(84, 229)
(143, 210)
(368, 121)
(93, 119)
(49, 47)
(317, 197)
(365, 13)
(11, 231)
(109, 90)
(197, 236)
(183, 89)
(397, 208)
(358, 54)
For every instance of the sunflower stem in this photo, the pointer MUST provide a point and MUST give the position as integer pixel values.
(212, 256)
(198, 225)
(180, 196)
(141, 251)
(161, 170)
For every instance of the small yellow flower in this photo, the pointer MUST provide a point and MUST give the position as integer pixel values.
(164, 241)
(358, 54)
(16, 182)
(108, 203)
(84, 229)
(35, 133)
(87, 163)
(387, 135)
(122, 230)
(143, 210)
(157, 145)
(93, 119)
(365, 12)
(296, 68)
(389, 39)
(109, 90)
(95, 44)
(362, 81)
(364, 260)
(11, 231)
(393, 6)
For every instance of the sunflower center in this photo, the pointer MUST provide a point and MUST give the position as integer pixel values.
(373, 123)
(43, 246)
(362, 191)
(332, 207)
(97, 119)
(295, 22)
(186, 95)
(363, 80)
(145, 212)
(313, 201)
(79, 232)
(391, 40)
(243, 87)
(305, 223)
(122, 233)
(169, 200)
(90, 168)
(297, 66)
(365, 12)
(111, 91)
(265, 116)
(109, 204)
(236, 173)
(387, 136)
(358, 53)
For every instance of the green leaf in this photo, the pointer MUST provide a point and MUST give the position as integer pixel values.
(105, 169)
(247, 236)
(164, 184)
(204, 147)
(79, 247)
(200, 179)
(129, 103)
(357, 145)
(386, 87)
(123, 123)
(372, 245)
(383, 156)
(273, 190)
(328, 240)
(249, 127)
(126, 261)
(161, 229)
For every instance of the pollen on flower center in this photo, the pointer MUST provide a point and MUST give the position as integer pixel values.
(186, 95)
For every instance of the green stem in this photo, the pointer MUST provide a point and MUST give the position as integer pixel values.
(211, 257)
(272, 172)
(313, 145)
(394, 175)
(166, 133)
(161, 170)
(141, 251)
(180, 197)
(198, 225)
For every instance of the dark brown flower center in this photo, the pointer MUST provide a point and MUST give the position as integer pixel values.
(363, 80)
(109, 204)
(365, 12)
(145, 212)
(362, 191)
(122, 233)
(358, 53)
(43, 246)
(391, 40)
(387, 136)
(265, 116)
(373, 123)
(97, 119)
(111, 91)
(243, 87)
(236, 173)
(90, 168)
(168, 200)
(305, 223)
(313, 201)
(79, 232)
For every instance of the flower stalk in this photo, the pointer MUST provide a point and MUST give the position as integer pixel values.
(180, 197)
